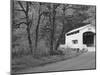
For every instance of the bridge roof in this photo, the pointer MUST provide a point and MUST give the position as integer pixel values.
(80, 28)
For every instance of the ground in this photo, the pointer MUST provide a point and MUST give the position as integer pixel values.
(84, 61)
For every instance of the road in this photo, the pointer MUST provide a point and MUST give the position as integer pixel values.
(84, 61)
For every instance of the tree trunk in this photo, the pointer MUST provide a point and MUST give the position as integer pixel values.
(52, 30)
(59, 39)
(28, 28)
(62, 32)
(36, 36)
(27, 23)
(36, 32)
(29, 40)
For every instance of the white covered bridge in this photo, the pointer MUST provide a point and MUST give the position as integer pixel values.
(83, 37)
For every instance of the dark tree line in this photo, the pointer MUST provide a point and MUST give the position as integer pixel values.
(44, 18)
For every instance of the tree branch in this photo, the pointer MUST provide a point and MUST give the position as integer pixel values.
(21, 23)
(21, 6)
(18, 9)
(23, 18)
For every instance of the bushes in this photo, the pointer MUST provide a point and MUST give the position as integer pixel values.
(67, 50)
(56, 52)
(19, 51)
(20, 47)
(42, 49)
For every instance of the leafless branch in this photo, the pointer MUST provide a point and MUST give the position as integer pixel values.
(23, 18)
(21, 6)
(21, 23)
(18, 9)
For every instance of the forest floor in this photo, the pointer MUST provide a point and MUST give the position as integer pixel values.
(26, 62)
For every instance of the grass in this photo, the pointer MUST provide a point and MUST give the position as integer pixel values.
(28, 61)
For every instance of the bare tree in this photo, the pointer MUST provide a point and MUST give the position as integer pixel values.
(65, 6)
(53, 26)
(25, 9)
(37, 28)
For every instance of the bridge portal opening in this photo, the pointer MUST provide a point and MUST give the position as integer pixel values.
(88, 38)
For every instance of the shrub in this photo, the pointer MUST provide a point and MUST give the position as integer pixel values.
(19, 51)
(56, 52)
(66, 50)
(42, 49)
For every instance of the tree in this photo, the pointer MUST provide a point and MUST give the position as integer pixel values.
(50, 25)
(63, 27)
(37, 28)
(52, 18)
(25, 9)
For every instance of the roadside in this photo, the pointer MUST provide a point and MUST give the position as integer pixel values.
(85, 61)
(28, 61)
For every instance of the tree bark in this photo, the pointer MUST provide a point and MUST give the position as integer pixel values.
(29, 40)
(62, 32)
(53, 13)
(37, 31)
(28, 28)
